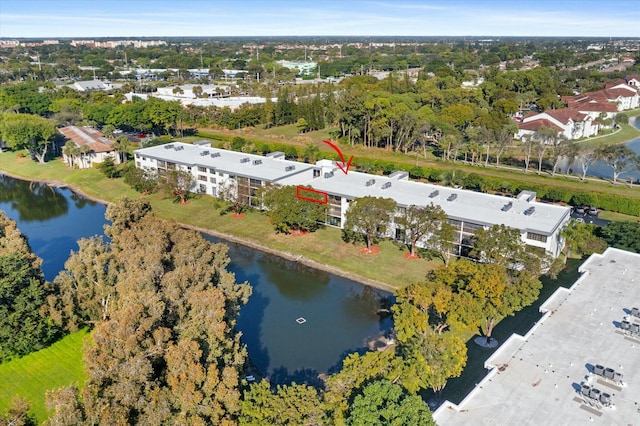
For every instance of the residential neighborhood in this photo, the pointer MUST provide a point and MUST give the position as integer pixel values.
(324, 213)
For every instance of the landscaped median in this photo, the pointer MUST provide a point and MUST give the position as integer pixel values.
(323, 249)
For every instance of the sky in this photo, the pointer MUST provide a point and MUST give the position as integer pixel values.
(202, 18)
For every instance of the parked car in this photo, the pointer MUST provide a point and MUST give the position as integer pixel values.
(593, 211)
(578, 210)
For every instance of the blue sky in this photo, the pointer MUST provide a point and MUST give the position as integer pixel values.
(130, 18)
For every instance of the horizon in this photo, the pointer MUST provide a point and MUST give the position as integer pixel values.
(40, 19)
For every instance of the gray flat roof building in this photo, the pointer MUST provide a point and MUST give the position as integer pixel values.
(539, 223)
(537, 379)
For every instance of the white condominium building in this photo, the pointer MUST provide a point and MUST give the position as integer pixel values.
(540, 224)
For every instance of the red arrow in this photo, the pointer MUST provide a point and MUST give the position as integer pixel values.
(342, 165)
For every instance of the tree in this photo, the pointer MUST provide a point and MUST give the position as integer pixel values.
(142, 180)
(545, 136)
(293, 404)
(385, 403)
(167, 351)
(421, 221)
(122, 144)
(310, 152)
(30, 132)
(581, 238)
(503, 245)
(302, 125)
(18, 414)
(623, 235)
(178, 183)
(288, 213)
(108, 130)
(24, 327)
(437, 357)
(108, 167)
(70, 150)
(560, 147)
(620, 158)
(369, 216)
(233, 194)
(587, 155)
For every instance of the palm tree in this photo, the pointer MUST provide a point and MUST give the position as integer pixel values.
(70, 150)
(122, 145)
(84, 150)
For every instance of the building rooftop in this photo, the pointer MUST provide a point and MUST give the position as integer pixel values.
(87, 136)
(485, 209)
(536, 379)
(261, 167)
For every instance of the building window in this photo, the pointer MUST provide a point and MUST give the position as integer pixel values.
(212, 180)
(138, 156)
(536, 237)
(316, 173)
(212, 171)
(202, 169)
(202, 178)
(334, 221)
(202, 189)
(137, 164)
(162, 164)
(220, 174)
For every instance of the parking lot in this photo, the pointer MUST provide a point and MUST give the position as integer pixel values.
(576, 213)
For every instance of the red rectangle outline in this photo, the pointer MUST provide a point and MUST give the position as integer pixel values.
(300, 189)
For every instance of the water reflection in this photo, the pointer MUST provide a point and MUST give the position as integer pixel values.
(34, 201)
(600, 168)
(53, 219)
(341, 316)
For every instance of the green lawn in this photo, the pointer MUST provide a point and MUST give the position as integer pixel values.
(31, 376)
(324, 246)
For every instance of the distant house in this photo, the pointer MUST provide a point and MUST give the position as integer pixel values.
(92, 146)
(571, 123)
(86, 86)
(580, 118)
(633, 80)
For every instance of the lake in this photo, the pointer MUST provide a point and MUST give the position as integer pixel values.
(600, 169)
(299, 321)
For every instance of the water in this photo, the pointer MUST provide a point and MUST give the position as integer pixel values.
(600, 169)
(341, 315)
(53, 219)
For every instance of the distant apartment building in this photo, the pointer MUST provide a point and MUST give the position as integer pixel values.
(540, 224)
(580, 119)
(302, 67)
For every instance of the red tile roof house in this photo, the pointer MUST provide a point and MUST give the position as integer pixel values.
(633, 80)
(97, 148)
(571, 123)
(579, 118)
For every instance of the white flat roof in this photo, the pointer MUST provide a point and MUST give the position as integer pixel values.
(535, 378)
(470, 206)
(477, 207)
(269, 169)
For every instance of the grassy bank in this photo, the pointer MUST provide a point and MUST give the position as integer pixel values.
(323, 249)
(31, 376)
